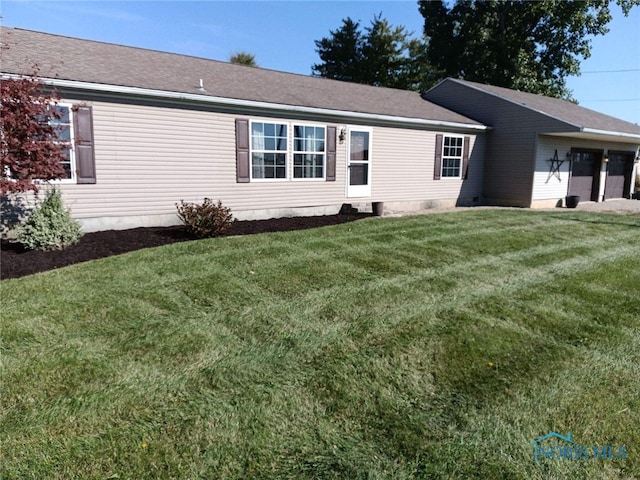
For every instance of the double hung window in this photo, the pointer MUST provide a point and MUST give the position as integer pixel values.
(273, 155)
(308, 151)
(61, 122)
(268, 150)
(452, 156)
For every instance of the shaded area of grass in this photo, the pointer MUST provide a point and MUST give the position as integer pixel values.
(438, 346)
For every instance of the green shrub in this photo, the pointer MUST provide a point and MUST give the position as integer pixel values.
(206, 220)
(49, 226)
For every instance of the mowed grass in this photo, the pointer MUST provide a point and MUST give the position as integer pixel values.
(436, 346)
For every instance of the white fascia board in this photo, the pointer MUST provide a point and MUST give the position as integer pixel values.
(598, 136)
(233, 102)
(608, 133)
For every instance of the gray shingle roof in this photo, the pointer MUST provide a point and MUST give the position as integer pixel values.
(559, 109)
(96, 62)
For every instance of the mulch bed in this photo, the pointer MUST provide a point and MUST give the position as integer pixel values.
(16, 262)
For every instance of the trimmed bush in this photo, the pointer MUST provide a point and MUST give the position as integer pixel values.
(49, 226)
(206, 220)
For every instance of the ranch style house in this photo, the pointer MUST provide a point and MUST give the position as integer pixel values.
(150, 128)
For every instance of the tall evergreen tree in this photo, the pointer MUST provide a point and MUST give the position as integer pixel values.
(382, 55)
(529, 46)
(341, 54)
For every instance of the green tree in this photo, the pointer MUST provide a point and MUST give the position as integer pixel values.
(243, 58)
(529, 46)
(341, 54)
(382, 55)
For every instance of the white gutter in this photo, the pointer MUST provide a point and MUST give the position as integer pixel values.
(608, 133)
(247, 103)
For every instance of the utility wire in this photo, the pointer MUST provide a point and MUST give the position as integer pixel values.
(615, 100)
(613, 71)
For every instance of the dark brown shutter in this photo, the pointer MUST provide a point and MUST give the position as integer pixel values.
(85, 156)
(437, 166)
(465, 158)
(242, 150)
(331, 154)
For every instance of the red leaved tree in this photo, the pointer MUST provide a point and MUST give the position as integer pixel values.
(29, 142)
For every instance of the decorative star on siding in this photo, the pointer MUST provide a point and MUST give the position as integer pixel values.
(554, 167)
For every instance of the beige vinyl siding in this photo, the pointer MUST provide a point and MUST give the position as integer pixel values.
(149, 157)
(546, 186)
(403, 165)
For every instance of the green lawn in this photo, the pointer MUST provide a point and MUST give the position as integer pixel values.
(436, 346)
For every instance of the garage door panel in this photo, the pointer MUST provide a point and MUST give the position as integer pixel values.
(618, 175)
(585, 173)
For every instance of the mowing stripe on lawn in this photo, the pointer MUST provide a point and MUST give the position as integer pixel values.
(425, 347)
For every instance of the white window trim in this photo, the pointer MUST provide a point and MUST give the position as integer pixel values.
(293, 152)
(72, 150)
(72, 154)
(289, 152)
(442, 157)
(286, 153)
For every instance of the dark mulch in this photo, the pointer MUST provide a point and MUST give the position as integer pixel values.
(16, 262)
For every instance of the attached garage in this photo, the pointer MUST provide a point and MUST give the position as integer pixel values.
(540, 149)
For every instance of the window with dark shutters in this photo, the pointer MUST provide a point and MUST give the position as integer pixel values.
(263, 151)
(451, 158)
(84, 148)
(242, 150)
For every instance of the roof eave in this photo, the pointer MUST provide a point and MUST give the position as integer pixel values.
(252, 104)
(607, 133)
(600, 135)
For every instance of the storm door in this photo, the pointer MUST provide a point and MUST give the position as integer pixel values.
(359, 164)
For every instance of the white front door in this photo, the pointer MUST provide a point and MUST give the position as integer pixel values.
(359, 163)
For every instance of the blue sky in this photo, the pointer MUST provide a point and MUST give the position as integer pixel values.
(281, 35)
